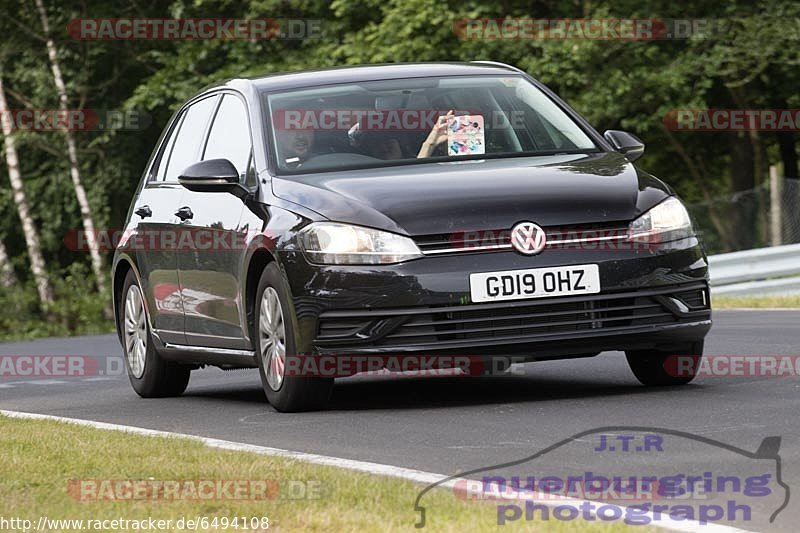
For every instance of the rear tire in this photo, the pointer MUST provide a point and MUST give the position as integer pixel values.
(150, 375)
(656, 368)
(274, 336)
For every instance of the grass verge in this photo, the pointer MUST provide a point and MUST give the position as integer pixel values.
(40, 460)
(756, 302)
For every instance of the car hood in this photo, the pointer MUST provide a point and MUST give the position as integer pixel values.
(433, 198)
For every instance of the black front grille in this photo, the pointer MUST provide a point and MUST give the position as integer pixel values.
(480, 240)
(504, 322)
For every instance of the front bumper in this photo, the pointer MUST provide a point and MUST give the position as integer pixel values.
(650, 298)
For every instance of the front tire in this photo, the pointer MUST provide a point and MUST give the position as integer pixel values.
(656, 368)
(274, 336)
(149, 374)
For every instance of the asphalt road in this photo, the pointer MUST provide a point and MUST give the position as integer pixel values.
(453, 425)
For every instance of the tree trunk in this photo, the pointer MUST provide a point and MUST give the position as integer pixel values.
(28, 228)
(742, 176)
(761, 166)
(786, 142)
(72, 152)
(744, 215)
(791, 199)
(7, 276)
(752, 229)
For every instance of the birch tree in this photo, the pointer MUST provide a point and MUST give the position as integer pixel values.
(72, 153)
(7, 276)
(43, 286)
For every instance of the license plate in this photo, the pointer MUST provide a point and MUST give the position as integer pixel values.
(534, 283)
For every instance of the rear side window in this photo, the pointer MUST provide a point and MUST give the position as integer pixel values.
(187, 144)
(230, 135)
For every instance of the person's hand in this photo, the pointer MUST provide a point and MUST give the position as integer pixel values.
(437, 136)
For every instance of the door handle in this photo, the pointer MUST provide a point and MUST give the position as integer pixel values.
(144, 211)
(184, 213)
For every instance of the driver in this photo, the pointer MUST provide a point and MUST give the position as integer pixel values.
(294, 145)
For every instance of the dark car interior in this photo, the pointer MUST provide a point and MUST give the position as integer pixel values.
(511, 125)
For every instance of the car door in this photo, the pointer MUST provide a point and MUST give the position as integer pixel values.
(156, 223)
(209, 271)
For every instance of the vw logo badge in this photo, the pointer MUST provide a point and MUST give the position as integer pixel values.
(528, 238)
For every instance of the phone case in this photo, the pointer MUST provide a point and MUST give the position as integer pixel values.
(465, 135)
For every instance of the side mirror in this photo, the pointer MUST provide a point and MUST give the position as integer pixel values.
(625, 143)
(212, 175)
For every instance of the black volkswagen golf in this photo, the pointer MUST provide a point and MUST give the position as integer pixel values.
(456, 211)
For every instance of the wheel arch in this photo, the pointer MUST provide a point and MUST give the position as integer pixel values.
(259, 260)
(121, 269)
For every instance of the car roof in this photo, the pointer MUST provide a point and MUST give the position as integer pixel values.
(355, 74)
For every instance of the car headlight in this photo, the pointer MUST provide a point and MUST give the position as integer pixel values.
(667, 221)
(332, 243)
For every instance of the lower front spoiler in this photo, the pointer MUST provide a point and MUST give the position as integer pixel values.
(666, 337)
(662, 317)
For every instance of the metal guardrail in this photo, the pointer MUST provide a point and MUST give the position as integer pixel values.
(753, 272)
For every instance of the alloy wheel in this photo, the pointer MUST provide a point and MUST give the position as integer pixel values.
(135, 331)
(272, 334)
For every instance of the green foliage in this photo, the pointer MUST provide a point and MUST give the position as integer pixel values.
(77, 310)
(751, 62)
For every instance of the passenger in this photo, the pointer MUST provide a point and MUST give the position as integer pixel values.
(385, 148)
(388, 148)
(436, 137)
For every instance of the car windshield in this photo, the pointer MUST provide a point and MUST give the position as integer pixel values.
(405, 121)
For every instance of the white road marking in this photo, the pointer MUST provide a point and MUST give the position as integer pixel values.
(408, 474)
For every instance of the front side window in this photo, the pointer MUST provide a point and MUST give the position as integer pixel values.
(188, 142)
(230, 135)
(161, 166)
(390, 122)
